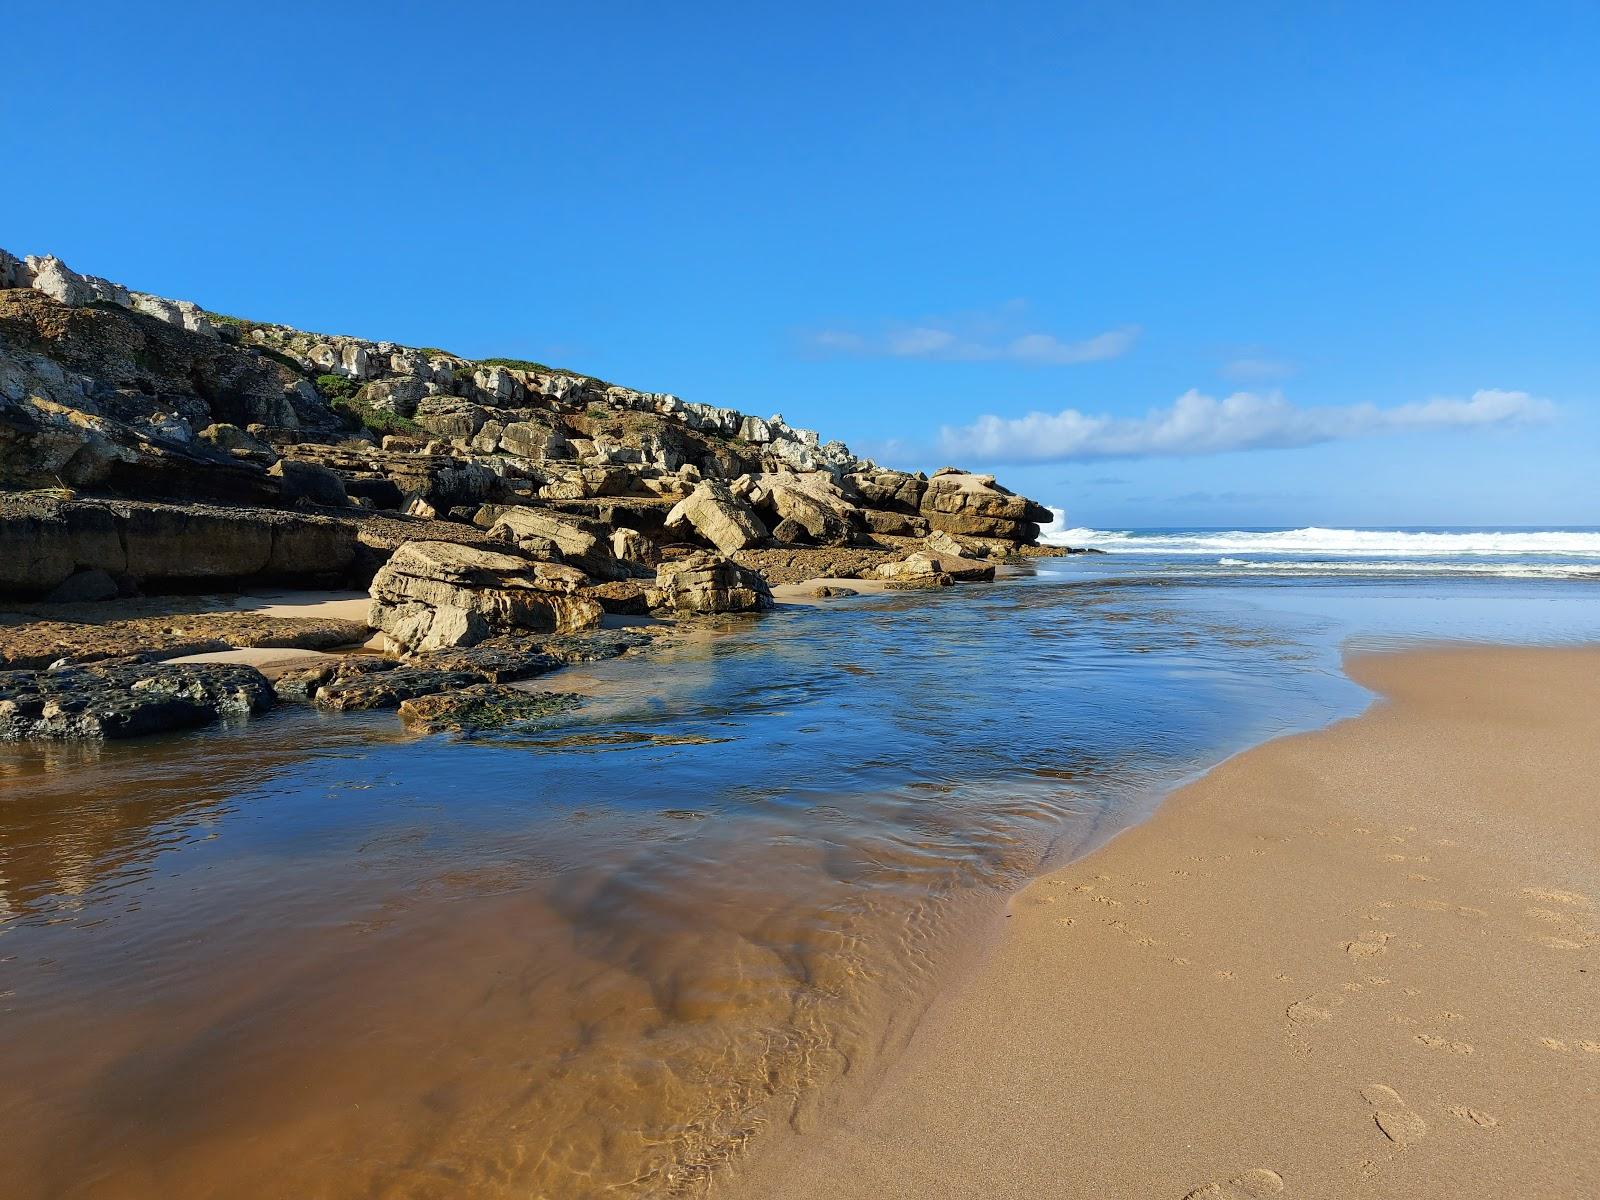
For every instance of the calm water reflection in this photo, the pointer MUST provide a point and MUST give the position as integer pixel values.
(312, 955)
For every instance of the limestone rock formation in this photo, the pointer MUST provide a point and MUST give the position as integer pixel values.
(961, 503)
(435, 594)
(542, 534)
(720, 517)
(45, 540)
(817, 509)
(924, 565)
(709, 583)
(222, 428)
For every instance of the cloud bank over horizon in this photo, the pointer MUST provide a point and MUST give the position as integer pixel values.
(1198, 424)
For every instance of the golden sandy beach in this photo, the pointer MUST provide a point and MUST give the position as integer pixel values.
(1360, 962)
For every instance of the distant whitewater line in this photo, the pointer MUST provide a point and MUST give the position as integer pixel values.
(1344, 543)
(1412, 566)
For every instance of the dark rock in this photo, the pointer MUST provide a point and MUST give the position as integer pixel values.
(483, 706)
(380, 491)
(304, 481)
(625, 597)
(126, 700)
(789, 532)
(523, 656)
(90, 584)
(499, 660)
(594, 646)
(44, 540)
(389, 689)
(300, 684)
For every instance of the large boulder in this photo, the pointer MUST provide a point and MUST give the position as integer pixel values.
(810, 502)
(309, 482)
(969, 505)
(895, 491)
(709, 583)
(720, 517)
(542, 534)
(925, 564)
(434, 594)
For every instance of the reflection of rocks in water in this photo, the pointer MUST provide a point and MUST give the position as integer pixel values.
(590, 960)
(75, 814)
(58, 839)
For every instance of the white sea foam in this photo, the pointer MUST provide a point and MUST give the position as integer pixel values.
(1416, 566)
(1338, 543)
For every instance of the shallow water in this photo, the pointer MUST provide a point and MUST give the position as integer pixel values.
(313, 956)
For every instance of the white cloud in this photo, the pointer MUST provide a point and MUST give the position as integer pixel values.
(973, 337)
(1200, 424)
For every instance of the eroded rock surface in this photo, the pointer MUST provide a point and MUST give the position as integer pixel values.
(126, 700)
(709, 583)
(483, 706)
(435, 594)
(39, 643)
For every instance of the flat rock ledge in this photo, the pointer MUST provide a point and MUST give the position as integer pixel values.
(126, 700)
(483, 706)
(366, 681)
(39, 644)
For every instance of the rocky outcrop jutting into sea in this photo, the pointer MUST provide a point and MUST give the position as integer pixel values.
(149, 445)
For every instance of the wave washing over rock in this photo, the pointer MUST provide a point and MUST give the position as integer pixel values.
(148, 445)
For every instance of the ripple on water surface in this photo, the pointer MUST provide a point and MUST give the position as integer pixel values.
(313, 955)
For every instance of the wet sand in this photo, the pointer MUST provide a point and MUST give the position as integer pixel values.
(1360, 962)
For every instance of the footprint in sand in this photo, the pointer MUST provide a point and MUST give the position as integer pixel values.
(1371, 945)
(1554, 943)
(1258, 1182)
(1473, 1116)
(1555, 1044)
(1393, 1116)
(1551, 896)
(1547, 914)
(1313, 1009)
(1435, 1042)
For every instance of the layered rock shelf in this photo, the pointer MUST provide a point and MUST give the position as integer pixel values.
(148, 445)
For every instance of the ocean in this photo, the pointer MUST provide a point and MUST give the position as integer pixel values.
(604, 953)
(1412, 551)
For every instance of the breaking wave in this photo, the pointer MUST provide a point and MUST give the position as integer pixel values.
(1339, 543)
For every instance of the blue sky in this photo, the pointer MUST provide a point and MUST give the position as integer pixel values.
(891, 222)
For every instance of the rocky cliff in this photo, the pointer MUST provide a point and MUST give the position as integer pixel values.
(494, 511)
(148, 442)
